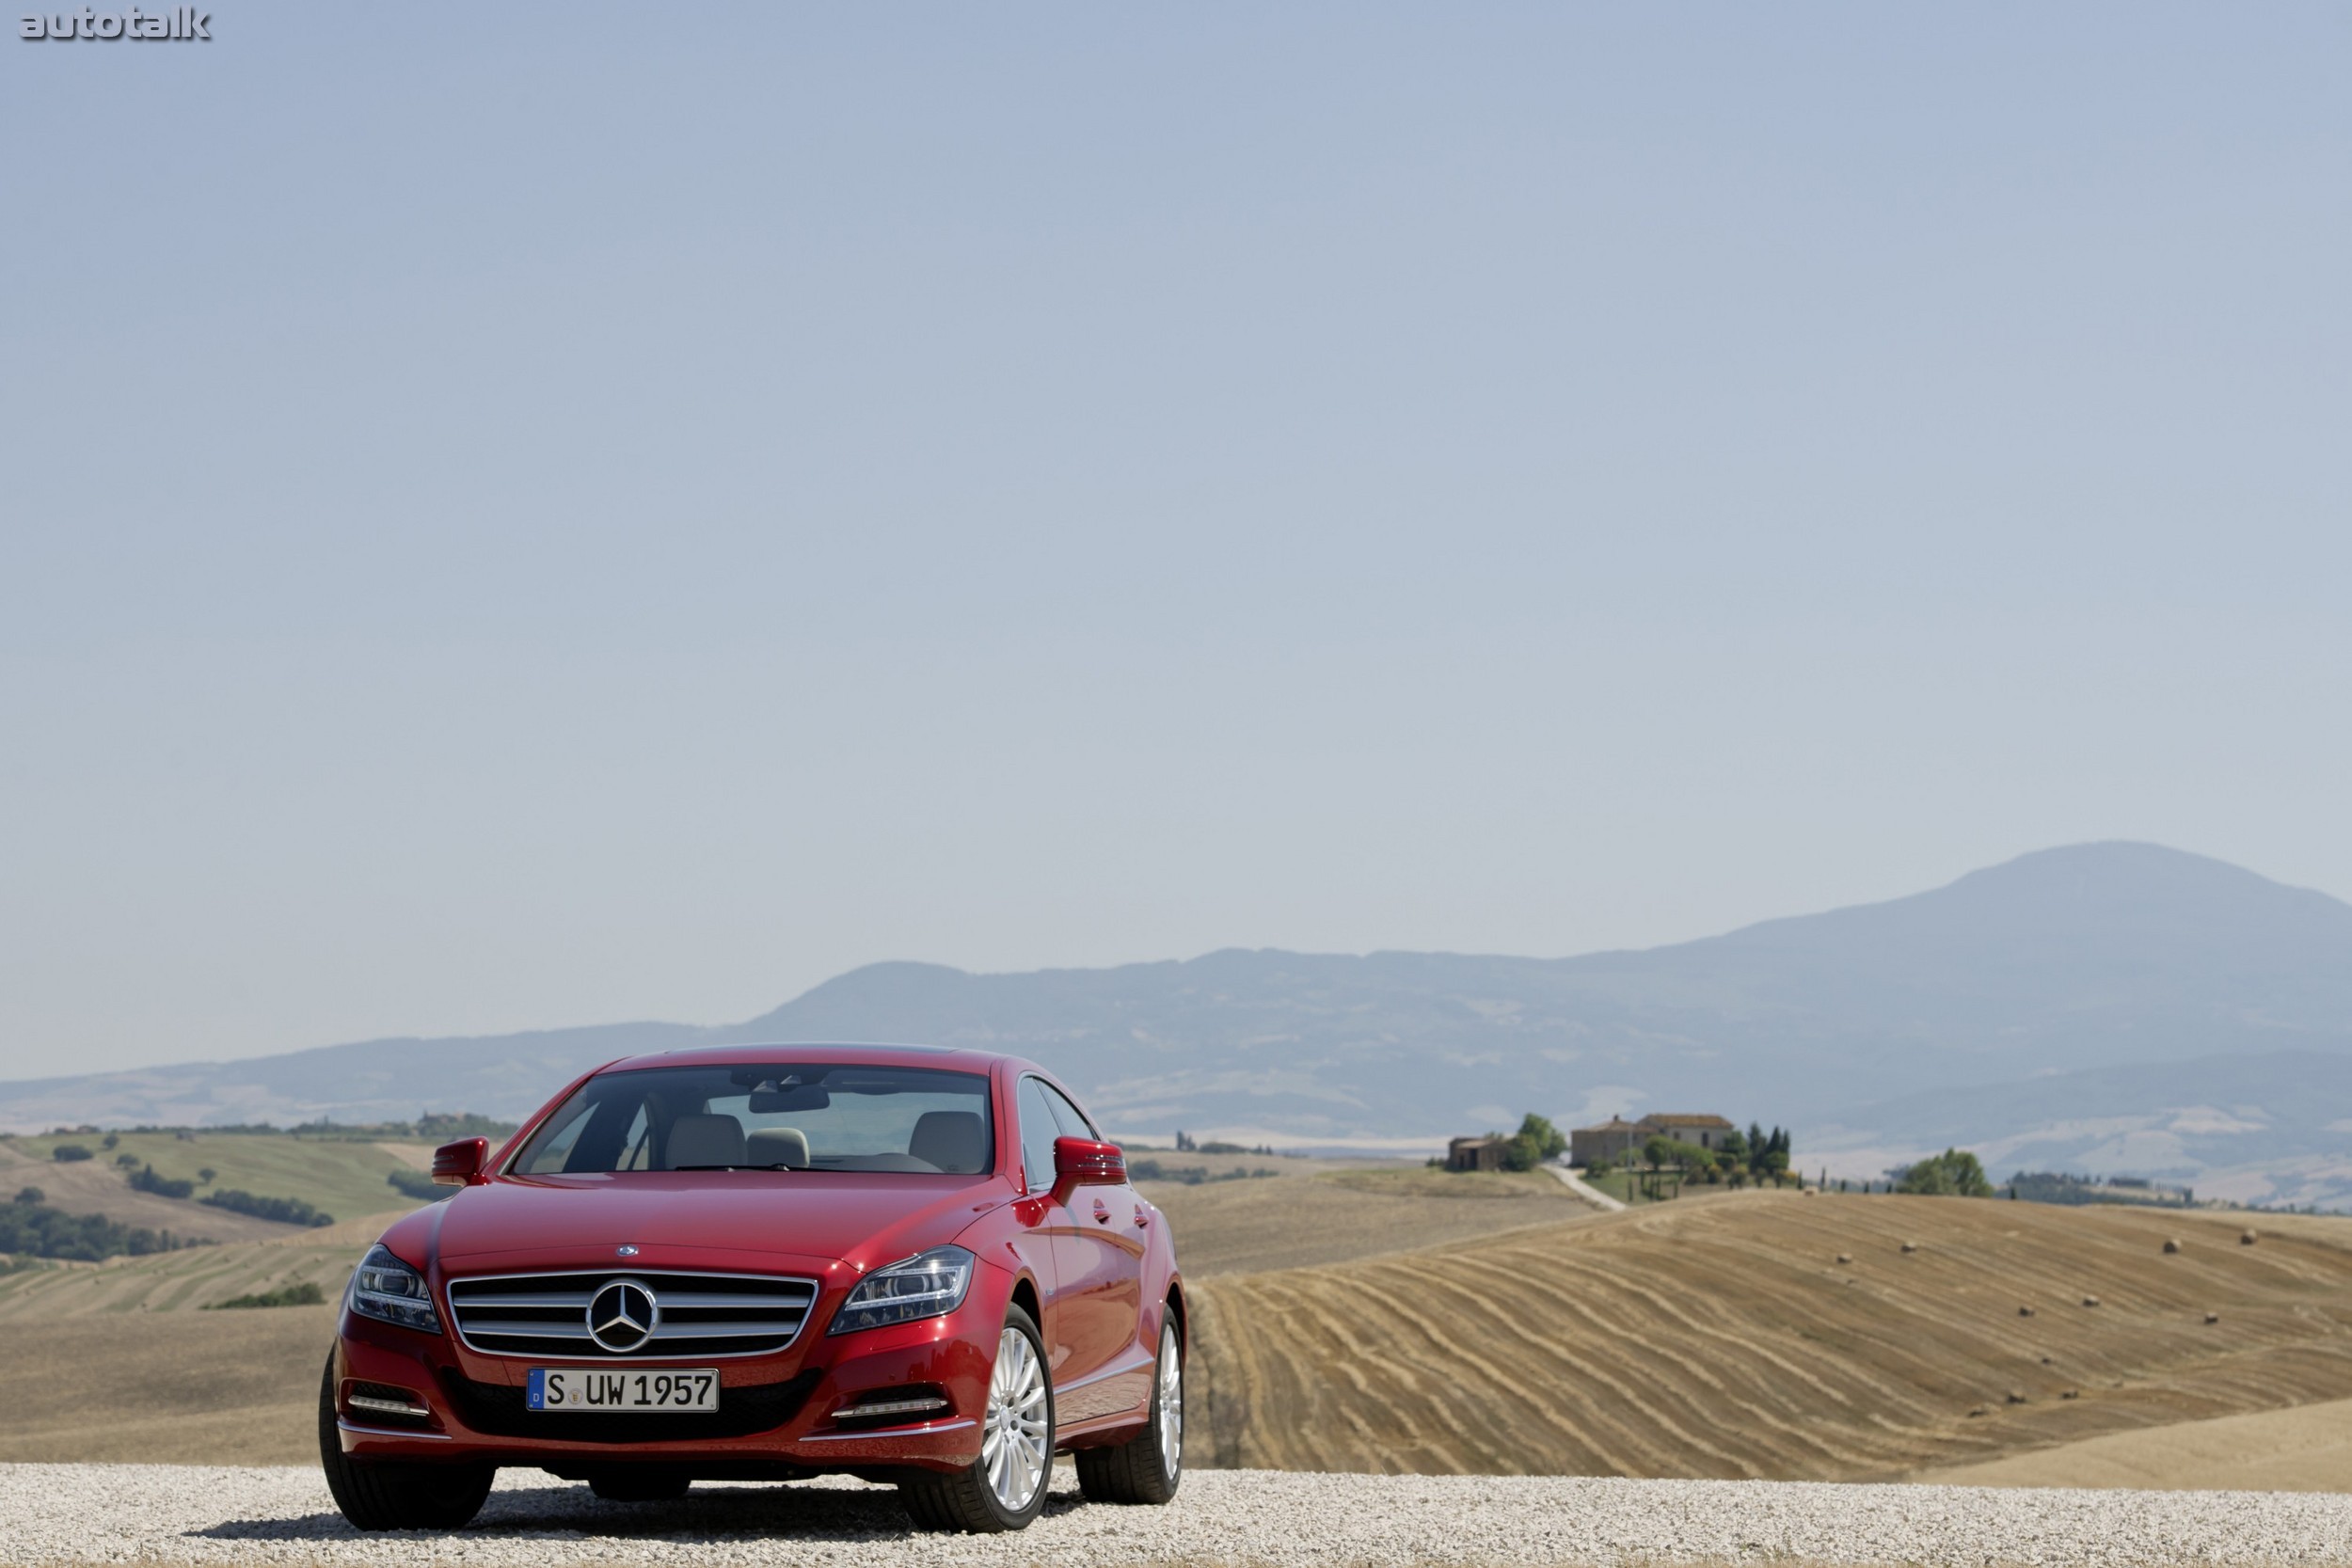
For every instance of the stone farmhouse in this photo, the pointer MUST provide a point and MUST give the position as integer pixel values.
(1618, 1140)
(1475, 1153)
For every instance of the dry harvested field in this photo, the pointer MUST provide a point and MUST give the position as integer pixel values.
(115, 1361)
(1312, 1216)
(1722, 1337)
(182, 1388)
(2308, 1449)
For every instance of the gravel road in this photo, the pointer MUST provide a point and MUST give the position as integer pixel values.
(89, 1513)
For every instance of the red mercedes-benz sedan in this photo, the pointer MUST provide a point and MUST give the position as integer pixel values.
(918, 1266)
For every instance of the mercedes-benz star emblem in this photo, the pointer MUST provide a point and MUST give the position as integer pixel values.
(626, 1249)
(622, 1316)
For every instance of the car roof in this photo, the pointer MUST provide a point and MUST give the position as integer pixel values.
(948, 1058)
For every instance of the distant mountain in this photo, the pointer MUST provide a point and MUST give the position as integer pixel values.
(2099, 981)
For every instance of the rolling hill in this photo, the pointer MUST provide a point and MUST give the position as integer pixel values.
(1723, 1337)
(2119, 1007)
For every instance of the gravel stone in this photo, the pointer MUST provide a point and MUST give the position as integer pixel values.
(265, 1518)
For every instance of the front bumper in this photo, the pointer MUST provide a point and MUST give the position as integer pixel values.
(776, 1413)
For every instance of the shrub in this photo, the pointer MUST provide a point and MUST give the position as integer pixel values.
(1190, 1176)
(110, 1140)
(41, 1231)
(1954, 1173)
(204, 1176)
(1536, 1143)
(68, 1153)
(128, 1162)
(305, 1294)
(1662, 1150)
(145, 1180)
(31, 1195)
(285, 1210)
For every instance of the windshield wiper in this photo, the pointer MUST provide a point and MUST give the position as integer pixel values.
(735, 1167)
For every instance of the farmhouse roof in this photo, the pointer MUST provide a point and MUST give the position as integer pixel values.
(1615, 1124)
(1663, 1120)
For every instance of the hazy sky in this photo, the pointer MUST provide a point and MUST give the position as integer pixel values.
(519, 516)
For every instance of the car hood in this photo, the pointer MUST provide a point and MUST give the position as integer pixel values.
(688, 1217)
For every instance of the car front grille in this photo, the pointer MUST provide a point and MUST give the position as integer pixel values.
(701, 1316)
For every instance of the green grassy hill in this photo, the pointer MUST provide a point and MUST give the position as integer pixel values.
(345, 1177)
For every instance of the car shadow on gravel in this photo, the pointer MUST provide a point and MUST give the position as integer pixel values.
(833, 1513)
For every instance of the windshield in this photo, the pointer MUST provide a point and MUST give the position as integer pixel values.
(786, 1116)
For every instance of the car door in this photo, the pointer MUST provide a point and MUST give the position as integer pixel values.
(1099, 1254)
(1048, 1220)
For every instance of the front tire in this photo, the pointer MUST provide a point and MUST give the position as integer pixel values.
(376, 1496)
(1149, 1467)
(1004, 1488)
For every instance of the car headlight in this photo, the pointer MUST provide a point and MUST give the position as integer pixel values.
(923, 1286)
(389, 1291)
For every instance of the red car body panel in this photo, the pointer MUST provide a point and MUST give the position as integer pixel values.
(1096, 1260)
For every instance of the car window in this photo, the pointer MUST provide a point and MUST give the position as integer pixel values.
(783, 1115)
(1074, 1122)
(1039, 1128)
(555, 1140)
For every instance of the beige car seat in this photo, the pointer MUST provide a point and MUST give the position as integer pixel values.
(777, 1145)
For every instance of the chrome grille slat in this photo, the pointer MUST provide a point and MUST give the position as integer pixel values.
(720, 1314)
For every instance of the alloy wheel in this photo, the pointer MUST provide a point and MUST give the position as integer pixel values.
(1014, 1434)
(1171, 1403)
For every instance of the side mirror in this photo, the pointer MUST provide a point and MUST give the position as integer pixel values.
(459, 1164)
(1085, 1162)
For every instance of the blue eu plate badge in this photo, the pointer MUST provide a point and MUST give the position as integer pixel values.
(535, 1393)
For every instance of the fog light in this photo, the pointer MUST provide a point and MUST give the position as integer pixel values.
(911, 1402)
(382, 1399)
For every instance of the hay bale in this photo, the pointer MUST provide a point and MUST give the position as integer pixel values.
(1845, 1257)
(1911, 1246)
(2171, 1244)
(2213, 1317)
(1980, 1410)
(2091, 1300)
(2024, 1311)
(2246, 1238)
(2069, 1393)
(2015, 1397)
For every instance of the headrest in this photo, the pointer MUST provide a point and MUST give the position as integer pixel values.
(777, 1145)
(706, 1140)
(954, 1141)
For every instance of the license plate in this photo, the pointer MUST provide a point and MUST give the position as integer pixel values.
(592, 1388)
